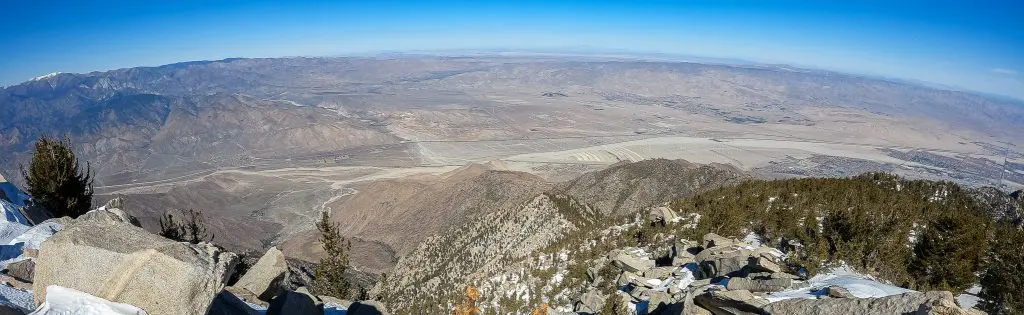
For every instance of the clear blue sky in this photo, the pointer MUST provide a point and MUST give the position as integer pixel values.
(977, 44)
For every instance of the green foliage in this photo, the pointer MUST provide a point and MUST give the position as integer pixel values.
(330, 271)
(948, 252)
(190, 229)
(56, 181)
(864, 221)
(1002, 284)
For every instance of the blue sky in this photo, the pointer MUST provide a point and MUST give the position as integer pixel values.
(977, 45)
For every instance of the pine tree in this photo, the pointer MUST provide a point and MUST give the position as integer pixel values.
(56, 181)
(330, 272)
(1002, 285)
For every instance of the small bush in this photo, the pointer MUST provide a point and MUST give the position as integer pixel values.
(56, 181)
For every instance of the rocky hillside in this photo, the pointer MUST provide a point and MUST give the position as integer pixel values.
(484, 249)
(626, 188)
(800, 238)
(400, 213)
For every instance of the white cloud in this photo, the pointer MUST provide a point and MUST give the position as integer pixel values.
(1003, 71)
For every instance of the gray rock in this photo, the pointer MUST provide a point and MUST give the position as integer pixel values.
(659, 272)
(739, 302)
(764, 264)
(126, 264)
(657, 301)
(838, 292)
(23, 270)
(367, 308)
(266, 277)
(661, 215)
(759, 285)
(632, 263)
(298, 302)
(590, 302)
(724, 265)
(906, 303)
(108, 215)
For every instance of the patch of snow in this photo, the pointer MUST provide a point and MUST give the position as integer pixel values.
(753, 239)
(654, 282)
(61, 300)
(34, 236)
(862, 286)
(10, 230)
(334, 309)
(16, 298)
(10, 253)
(46, 76)
(969, 298)
(11, 213)
(12, 193)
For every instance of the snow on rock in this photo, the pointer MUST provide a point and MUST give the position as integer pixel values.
(16, 298)
(61, 300)
(753, 239)
(862, 286)
(11, 230)
(12, 193)
(970, 298)
(34, 236)
(11, 213)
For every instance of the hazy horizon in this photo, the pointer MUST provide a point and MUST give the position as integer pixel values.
(974, 46)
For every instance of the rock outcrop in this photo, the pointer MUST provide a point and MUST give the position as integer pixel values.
(266, 277)
(126, 264)
(906, 303)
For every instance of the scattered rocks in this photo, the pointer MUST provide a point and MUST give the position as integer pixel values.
(126, 264)
(590, 302)
(906, 303)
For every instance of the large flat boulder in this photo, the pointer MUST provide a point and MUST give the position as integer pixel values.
(906, 303)
(265, 278)
(632, 263)
(737, 302)
(126, 264)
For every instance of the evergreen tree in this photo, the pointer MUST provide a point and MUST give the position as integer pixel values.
(948, 253)
(56, 181)
(330, 272)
